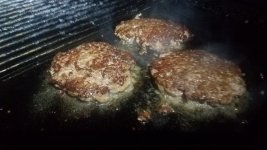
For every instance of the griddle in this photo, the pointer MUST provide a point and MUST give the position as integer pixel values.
(32, 31)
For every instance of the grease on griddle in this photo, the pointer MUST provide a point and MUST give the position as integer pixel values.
(49, 97)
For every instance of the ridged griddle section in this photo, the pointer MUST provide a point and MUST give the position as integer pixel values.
(31, 31)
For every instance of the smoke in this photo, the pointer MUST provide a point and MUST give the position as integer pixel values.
(216, 34)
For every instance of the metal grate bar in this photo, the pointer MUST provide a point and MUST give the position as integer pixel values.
(42, 40)
(48, 27)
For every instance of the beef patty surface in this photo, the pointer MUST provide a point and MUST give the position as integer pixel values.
(149, 33)
(199, 76)
(95, 71)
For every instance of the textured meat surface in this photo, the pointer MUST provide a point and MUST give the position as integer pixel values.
(198, 75)
(94, 70)
(156, 34)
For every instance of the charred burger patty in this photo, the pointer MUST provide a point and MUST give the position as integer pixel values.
(95, 71)
(158, 35)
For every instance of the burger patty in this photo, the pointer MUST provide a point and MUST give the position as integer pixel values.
(94, 71)
(158, 35)
(199, 76)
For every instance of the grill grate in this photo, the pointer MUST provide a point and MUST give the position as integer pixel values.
(31, 31)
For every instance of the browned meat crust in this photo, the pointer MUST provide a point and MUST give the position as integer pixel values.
(159, 35)
(94, 70)
(198, 75)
